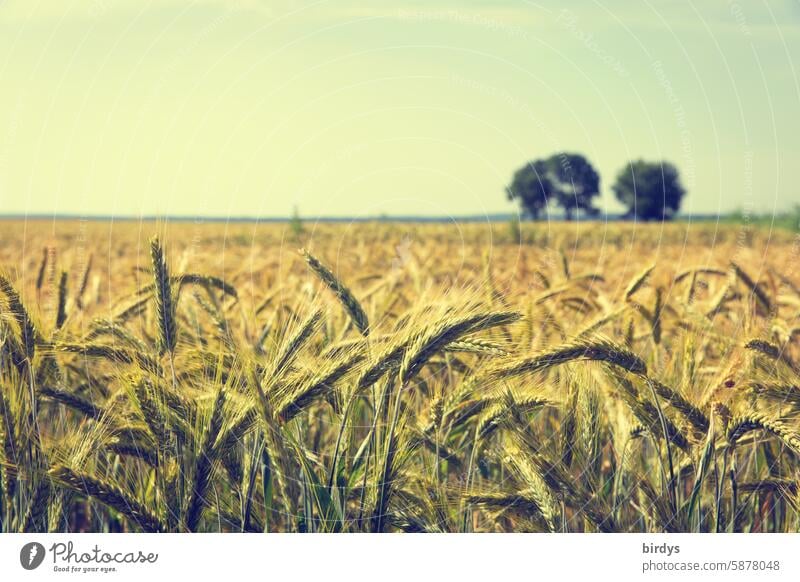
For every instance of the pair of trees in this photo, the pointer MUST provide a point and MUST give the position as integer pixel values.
(649, 190)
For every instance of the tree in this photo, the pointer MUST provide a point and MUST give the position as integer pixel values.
(650, 190)
(568, 179)
(531, 186)
(296, 223)
(577, 183)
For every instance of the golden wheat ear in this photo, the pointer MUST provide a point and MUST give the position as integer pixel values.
(342, 292)
(638, 282)
(742, 425)
(164, 299)
(601, 350)
(27, 331)
(110, 495)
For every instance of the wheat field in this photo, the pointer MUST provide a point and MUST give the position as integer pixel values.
(381, 377)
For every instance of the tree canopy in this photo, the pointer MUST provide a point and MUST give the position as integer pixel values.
(650, 190)
(568, 180)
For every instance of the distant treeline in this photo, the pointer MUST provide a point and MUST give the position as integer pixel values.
(787, 219)
(648, 190)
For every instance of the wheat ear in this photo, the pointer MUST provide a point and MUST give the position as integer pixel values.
(165, 301)
(597, 350)
(61, 313)
(20, 315)
(342, 292)
(638, 282)
(744, 424)
(84, 284)
(108, 494)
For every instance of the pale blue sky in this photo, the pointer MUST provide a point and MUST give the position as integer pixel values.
(242, 107)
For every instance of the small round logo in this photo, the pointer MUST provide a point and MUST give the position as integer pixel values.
(31, 555)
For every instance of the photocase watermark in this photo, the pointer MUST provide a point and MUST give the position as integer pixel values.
(569, 20)
(744, 239)
(64, 557)
(680, 121)
(741, 21)
(97, 8)
(31, 555)
(464, 17)
(10, 134)
(511, 101)
(403, 254)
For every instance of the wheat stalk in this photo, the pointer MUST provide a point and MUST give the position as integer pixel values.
(204, 465)
(754, 287)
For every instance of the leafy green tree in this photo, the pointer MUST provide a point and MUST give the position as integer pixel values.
(577, 183)
(531, 186)
(650, 190)
(568, 180)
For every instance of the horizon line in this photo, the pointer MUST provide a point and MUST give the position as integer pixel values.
(494, 217)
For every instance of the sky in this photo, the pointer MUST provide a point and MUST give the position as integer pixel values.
(377, 107)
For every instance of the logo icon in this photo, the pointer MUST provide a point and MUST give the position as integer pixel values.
(31, 555)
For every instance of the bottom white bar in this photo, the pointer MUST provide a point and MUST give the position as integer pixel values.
(349, 557)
